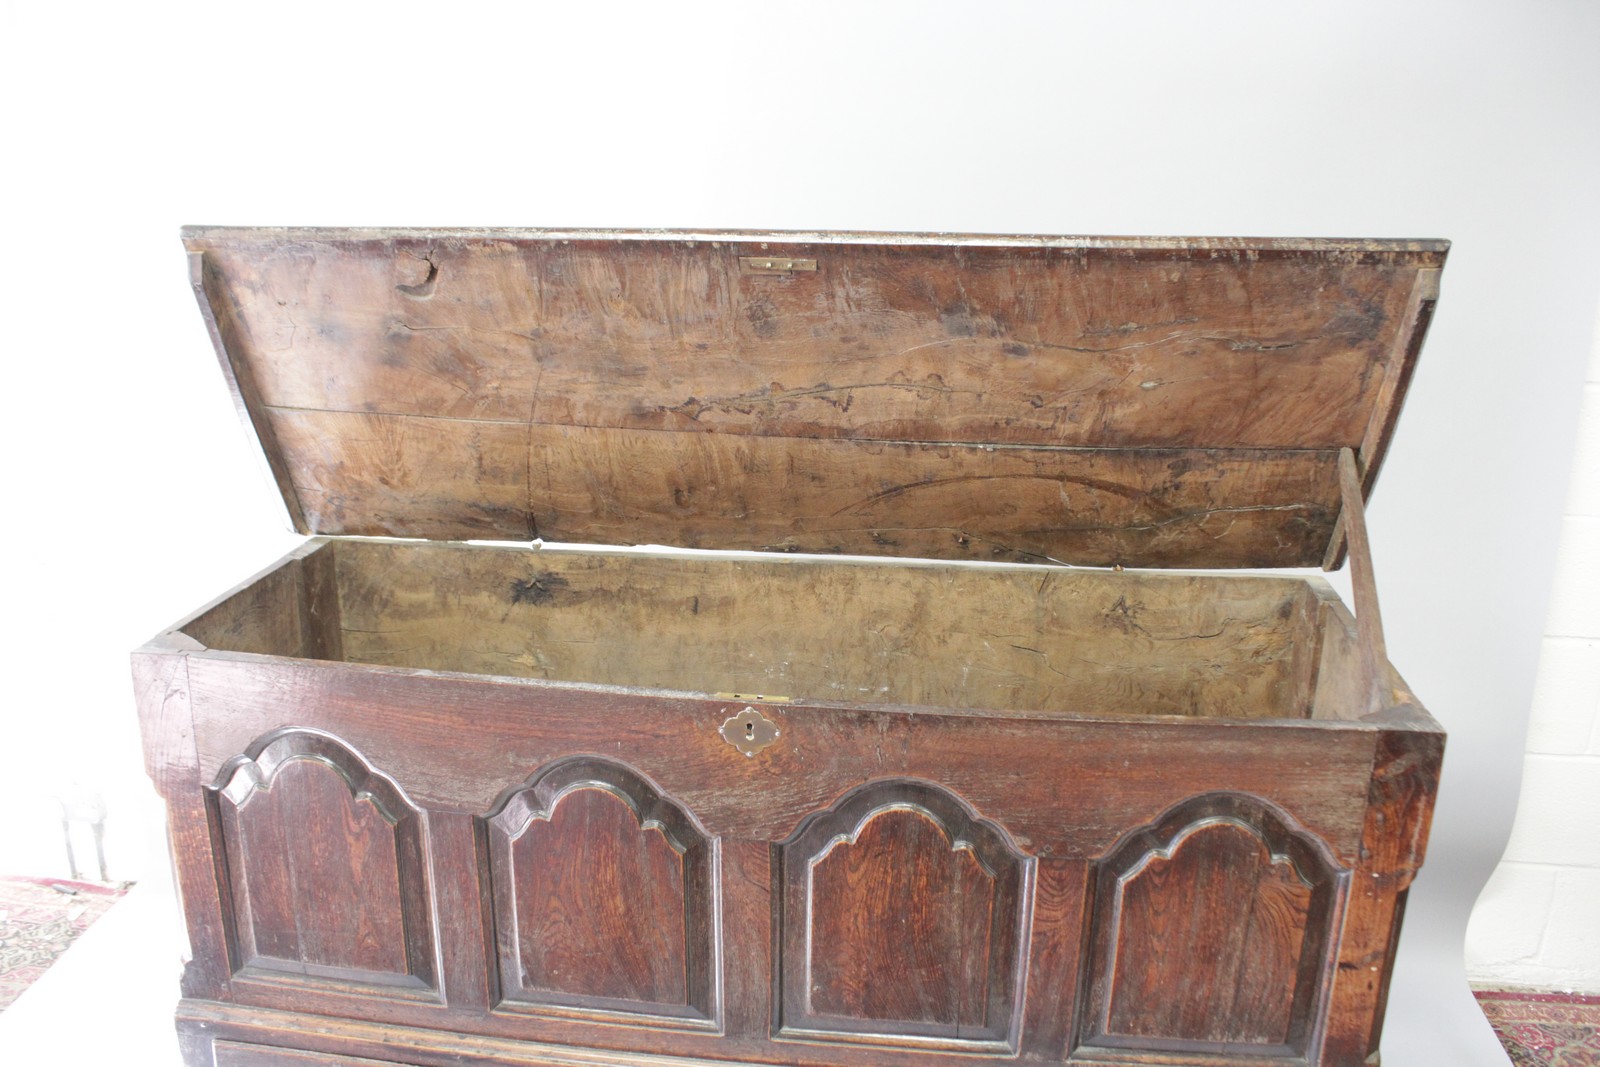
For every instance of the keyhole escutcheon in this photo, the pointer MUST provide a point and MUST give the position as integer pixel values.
(749, 731)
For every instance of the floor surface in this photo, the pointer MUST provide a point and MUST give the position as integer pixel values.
(40, 918)
(1545, 1029)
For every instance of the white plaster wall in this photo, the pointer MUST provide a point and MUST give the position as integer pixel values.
(1538, 921)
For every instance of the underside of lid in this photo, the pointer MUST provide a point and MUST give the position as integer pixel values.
(1143, 402)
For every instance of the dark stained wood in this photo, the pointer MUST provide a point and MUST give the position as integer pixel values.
(1220, 899)
(600, 904)
(899, 926)
(1069, 788)
(1053, 973)
(605, 894)
(749, 904)
(325, 865)
(205, 1022)
(237, 1054)
(461, 890)
(1211, 933)
(166, 719)
(454, 739)
(1403, 786)
(451, 805)
(904, 915)
(535, 384)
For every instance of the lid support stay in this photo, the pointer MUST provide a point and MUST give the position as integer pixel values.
(1369, 623)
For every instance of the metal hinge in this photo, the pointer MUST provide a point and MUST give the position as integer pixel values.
(776, 264)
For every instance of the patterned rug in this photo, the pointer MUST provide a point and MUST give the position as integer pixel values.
(1544, 1029)
(39, 918)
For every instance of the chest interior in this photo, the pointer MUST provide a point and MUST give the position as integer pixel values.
(1041, 639)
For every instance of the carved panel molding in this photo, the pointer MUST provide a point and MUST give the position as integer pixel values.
(1209, 935)
(605, 898)
(903, 920)
(323, 865)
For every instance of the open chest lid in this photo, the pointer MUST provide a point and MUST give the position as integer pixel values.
(1148, 402)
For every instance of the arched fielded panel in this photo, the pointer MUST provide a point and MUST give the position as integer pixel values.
(903, 921)
(604, 898)
(325, 865)
(1210, 934)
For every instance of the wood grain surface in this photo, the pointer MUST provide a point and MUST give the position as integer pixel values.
(653, 388)
(904, 898)
(309, 830)
(303, 842)
(1065, 790)
(1036, 639)
(1211, 934)
(238, 1054)
(604, 897)
(593, 887)
(899, 925)
(1223, 899)
(903, 920)
(458, 805)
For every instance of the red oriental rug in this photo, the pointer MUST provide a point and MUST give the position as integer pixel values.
(39, 918)
(1544, 1029)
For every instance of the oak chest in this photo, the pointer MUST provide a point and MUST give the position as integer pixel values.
(962, 769)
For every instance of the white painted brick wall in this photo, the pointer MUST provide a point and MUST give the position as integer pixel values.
(1569, 674)
(1537, 922)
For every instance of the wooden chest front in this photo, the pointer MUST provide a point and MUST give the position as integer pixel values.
(442, 803)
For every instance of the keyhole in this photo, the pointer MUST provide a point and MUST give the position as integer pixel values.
(748, 731)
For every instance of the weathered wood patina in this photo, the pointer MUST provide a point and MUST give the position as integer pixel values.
(988, 795)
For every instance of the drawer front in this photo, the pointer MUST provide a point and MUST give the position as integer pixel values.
(240, 1054)
(862, 888)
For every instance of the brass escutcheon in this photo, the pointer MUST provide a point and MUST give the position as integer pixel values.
(749, 731)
